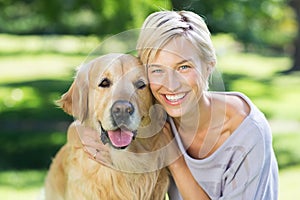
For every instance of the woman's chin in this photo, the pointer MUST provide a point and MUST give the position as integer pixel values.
(174, 113)
(190, 110)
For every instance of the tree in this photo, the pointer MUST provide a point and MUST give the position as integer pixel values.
(265, 23)
(251, 21)
(79, 17)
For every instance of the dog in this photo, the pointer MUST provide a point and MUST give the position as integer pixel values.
(114, 146)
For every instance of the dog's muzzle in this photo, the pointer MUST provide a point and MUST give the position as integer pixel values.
(122, 136)
(121, 111)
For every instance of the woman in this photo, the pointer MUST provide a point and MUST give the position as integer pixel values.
(224, 140)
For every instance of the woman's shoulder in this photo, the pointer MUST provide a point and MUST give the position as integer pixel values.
(243, 114)
(235, 102)
(235, 107)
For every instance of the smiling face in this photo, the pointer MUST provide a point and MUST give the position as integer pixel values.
(177, 77)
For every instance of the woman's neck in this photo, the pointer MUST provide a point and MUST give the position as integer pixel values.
(201, 130)
(198, 117)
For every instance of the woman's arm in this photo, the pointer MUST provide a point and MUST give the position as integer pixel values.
(185, 182)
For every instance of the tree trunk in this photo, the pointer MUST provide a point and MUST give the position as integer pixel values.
(295, 4)
(180, 4)
(296, 64)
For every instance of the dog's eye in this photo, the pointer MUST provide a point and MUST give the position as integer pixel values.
(140, 84)
(105, 83)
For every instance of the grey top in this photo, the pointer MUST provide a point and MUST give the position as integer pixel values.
(244, 167)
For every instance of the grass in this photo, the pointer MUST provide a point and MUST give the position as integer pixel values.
(12, 45)
(287, 149)
(43, 66)
(289, 183)
(37, 72)
(21, 184)
(17, 194)
(28, 185)
(259, 77)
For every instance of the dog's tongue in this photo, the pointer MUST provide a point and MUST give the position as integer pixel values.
(120, 138)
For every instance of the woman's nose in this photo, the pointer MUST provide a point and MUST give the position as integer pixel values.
(172, 81)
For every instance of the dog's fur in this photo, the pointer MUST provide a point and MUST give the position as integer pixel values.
(73, 173)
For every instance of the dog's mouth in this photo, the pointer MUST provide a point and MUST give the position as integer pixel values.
(119, 138)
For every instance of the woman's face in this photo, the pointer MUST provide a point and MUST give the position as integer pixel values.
(175, 77)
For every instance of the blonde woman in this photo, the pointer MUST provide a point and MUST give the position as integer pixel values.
(224, 140)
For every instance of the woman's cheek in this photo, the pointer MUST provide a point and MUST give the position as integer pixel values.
(154, 89)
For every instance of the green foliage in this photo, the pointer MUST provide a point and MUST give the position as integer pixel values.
(75, 16)
(262, 22)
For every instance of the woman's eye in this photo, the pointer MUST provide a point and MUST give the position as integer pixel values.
(184, 67)
(153, 71)
(105, 83)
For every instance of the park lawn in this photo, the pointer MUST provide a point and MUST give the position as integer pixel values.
(289, 183)
(28, 67)
(288, 188)
(17, 194)
(259, 78)
(21, 184)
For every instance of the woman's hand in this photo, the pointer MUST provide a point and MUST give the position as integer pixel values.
(89, 140)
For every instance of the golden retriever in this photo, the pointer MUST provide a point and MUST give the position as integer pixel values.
(113, 149)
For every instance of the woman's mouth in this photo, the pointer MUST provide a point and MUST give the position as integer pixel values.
(174, 99)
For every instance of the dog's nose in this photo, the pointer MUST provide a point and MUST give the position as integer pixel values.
(121, 111)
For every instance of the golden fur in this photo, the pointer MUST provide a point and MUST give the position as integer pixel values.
(73, 173)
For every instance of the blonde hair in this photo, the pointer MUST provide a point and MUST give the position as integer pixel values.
(160, 27)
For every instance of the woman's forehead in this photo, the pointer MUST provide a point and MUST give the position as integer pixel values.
(177, 50)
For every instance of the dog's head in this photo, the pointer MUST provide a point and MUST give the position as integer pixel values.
(111, 95)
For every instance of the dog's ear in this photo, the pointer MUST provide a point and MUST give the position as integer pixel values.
(65, 102)
(75, 100)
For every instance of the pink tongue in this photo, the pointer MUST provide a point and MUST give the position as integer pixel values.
(120, 138)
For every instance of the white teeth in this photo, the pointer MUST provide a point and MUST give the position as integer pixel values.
(175, 97)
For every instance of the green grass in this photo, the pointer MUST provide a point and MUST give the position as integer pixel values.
(22, 179)
(287, 149)
(17, 194)
(21, 184)
(24, 67)
(289, 183)
(11, 44)
(36, 70)
(259, 77)
(27, 185)
(277, 96)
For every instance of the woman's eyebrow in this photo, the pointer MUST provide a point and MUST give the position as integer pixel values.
(176, 64)
(155, 65)
(183, 61)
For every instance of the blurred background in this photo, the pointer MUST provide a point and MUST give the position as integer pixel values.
(42, 42)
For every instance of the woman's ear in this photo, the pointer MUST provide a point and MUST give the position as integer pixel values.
(75, 100)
